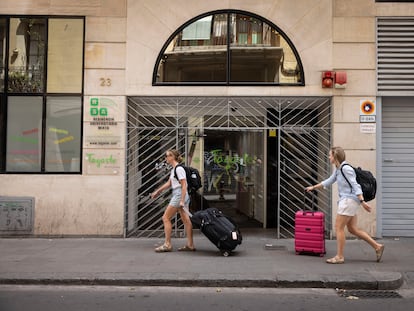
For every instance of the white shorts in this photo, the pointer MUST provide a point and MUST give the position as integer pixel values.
(348, 207)
(176, 197)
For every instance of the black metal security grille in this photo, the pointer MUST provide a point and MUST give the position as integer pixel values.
(357, 294)
(156, 124)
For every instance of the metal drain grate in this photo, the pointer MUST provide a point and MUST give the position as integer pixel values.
(357, 294)
(273, 247)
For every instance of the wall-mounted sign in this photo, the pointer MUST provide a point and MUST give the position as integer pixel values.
(104, 138)
(272, 133)
(103, 128)
(367, 114)
(104, 109)
(368, 128)
(102, 162)
(367, 119)
(367, 107)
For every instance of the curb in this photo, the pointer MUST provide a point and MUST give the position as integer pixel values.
(368, 281)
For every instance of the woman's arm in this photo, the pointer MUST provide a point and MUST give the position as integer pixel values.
(322, 184)
(311, 188)
(161, 189)
(183, 183)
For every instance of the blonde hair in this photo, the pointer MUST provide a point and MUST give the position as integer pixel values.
(177, 156)
(338, 154)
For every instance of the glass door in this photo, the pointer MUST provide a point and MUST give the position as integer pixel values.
(233, 174)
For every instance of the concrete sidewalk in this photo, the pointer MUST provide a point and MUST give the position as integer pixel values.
(260, 261)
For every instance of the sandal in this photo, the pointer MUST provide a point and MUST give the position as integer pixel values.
(186, 249)
(335, 260)
(163, 249)
(379, 252)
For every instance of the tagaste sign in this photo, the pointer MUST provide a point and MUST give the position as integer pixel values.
(102, 162)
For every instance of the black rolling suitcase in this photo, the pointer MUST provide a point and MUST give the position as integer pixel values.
(218, 228)
(198, 202)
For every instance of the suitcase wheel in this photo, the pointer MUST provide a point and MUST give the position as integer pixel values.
(225, 253)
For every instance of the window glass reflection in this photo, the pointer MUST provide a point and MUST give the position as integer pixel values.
(24, 134)
(26, 55)
(63, 136)
(40, 128)
(65, 76)
(2, 51)
(198, 53)
(229, 48)
(258, 53)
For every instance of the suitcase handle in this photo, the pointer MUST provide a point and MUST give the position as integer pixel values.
(312, 209)
(308, 212)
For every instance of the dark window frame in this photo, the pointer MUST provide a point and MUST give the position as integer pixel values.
(44, 94)
(227, 82)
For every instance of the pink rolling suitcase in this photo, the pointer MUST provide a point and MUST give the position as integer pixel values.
(310, 231)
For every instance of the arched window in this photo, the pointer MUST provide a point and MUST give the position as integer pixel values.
(228, 48)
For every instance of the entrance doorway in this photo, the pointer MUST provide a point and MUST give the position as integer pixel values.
(256, 155)
(234, 174)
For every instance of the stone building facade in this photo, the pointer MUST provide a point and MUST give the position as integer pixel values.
(123, 42)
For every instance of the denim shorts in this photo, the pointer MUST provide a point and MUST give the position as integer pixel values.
(176, 197)
(348, 207)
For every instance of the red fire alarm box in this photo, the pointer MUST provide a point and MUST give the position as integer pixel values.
(328, 79)
(340, 80)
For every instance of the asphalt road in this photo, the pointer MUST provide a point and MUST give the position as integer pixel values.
(93, 298)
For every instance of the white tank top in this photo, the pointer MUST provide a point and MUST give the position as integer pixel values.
(180, 174)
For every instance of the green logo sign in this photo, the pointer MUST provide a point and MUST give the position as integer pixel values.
(95, 110)
(103, 112)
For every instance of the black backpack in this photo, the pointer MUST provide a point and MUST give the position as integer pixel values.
(193, 178)
(366, 180)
